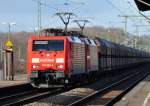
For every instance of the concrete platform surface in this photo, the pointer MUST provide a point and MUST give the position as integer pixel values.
(11, 83)
(138, 96)
(18, 79)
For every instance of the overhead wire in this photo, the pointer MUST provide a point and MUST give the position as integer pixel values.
(68, 2)
(118, 9)
(47, 5)
(110, 3)
(139, 13)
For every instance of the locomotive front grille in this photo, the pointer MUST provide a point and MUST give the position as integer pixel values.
(49, 75)
(34, 74)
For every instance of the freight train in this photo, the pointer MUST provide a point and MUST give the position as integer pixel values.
(58, 59)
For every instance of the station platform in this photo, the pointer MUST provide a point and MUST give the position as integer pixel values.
(18, 80)
(138, 96)
(11, 83)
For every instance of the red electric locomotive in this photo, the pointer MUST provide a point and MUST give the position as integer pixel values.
(58, 59)
(54, 61)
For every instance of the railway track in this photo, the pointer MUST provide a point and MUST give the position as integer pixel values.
(111, 94)
(30, 95)
(24, 94)
(14, 89)
(69, 97)
(27, 96)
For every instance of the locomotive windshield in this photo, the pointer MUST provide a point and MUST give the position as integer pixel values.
(48, 45)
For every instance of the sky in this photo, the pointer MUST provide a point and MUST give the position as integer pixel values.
(98, 12)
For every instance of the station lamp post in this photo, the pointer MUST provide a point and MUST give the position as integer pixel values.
(9, 27)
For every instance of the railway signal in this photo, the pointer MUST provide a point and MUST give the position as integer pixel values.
(8, 54)
(8, 61)
(9, 44)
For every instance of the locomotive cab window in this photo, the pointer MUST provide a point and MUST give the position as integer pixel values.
(48, 45)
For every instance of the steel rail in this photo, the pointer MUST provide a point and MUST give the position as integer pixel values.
(14, 89)
(101, 91)
(117, 98)
(27, 98)
(15, 95)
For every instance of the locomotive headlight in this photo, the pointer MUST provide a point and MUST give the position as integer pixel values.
(59, 60)
(60, 66)
(35, 60)
(35, 66)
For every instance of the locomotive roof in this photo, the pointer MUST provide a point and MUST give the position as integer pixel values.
(81, 40)
(89, 41)
(74, 39)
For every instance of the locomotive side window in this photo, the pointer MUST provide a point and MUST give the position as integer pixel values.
(48, 45)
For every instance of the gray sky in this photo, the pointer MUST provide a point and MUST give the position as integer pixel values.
(99, 12)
